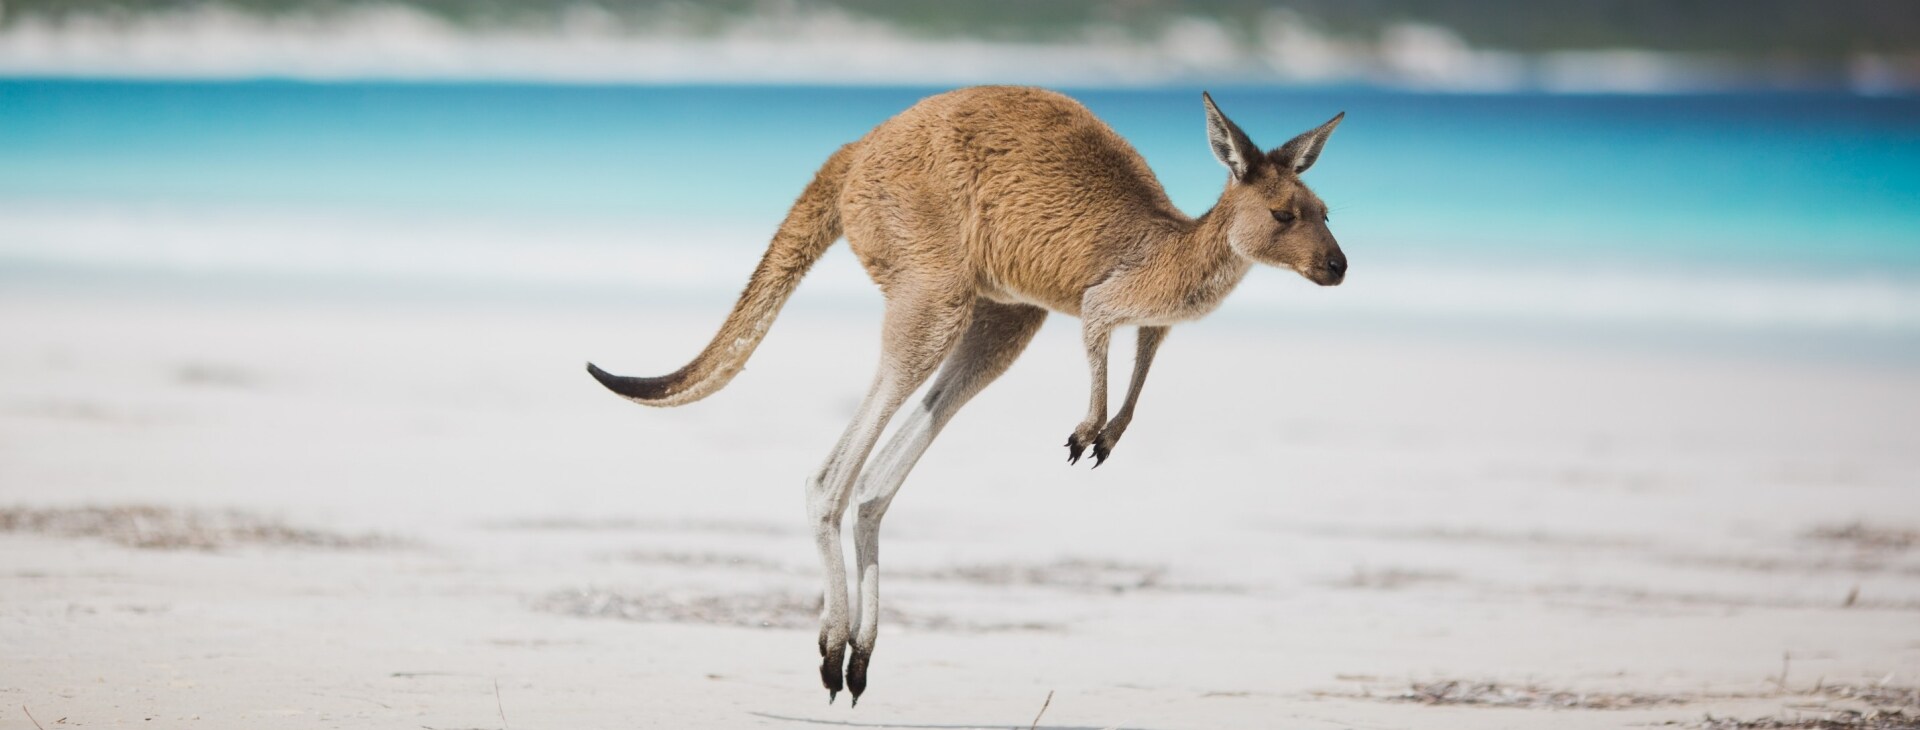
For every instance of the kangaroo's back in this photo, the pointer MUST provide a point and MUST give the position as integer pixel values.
(1025, 186)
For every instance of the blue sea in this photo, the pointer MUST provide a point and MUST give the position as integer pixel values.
(1724, 213)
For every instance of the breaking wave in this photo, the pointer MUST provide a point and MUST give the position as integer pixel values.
(791, 43)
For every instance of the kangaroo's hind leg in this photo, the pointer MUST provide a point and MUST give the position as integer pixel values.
(998, 333)
(921, 327)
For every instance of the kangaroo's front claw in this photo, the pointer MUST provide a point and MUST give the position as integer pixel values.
(1087, 434)
(1109, 437)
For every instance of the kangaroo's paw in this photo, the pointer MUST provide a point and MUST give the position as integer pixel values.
(1101, 449)
(832, 656)
(1083, 436)
(1103, 446)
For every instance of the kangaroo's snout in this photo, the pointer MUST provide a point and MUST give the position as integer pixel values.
(1332, 272)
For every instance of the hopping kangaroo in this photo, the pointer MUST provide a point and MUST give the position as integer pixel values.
(978, 211)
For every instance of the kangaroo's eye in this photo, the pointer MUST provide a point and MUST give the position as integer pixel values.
(1325, 218)
(1284, 216)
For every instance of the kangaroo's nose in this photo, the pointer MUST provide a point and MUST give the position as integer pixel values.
(1337, 266)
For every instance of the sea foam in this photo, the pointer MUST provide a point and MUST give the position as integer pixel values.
(685, 259)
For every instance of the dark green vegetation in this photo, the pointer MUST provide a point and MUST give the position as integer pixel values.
(1761, 31)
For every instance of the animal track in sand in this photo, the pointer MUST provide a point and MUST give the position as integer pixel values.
(1866, 537)
(212, 375)
(1836, 706)
(1071, 574)
(166, 528)
(1842, 720)
(1494, 694)
(1392, 578)
(629, 524)
(1080, 574)
(769, 609)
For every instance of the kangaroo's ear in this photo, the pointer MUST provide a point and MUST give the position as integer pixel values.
(1230, 145)
(1299, 153)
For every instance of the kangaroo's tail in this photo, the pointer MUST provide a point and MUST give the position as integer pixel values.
(809, 229)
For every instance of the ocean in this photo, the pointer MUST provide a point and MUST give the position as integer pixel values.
(1793, 214)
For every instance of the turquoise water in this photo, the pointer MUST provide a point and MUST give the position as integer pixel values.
(1755, 190)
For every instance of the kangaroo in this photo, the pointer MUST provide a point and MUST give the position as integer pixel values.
(978, 211)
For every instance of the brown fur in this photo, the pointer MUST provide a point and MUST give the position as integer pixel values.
(977, 211)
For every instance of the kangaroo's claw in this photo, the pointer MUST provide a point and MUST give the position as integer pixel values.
(1100, 452)
(857, 673)
(1074, 447)
(830, 662)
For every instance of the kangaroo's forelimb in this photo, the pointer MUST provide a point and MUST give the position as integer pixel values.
(1096, 334)
(1147, 343)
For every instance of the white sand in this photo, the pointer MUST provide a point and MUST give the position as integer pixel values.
(1315, 517)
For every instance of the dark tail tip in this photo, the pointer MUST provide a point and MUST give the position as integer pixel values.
(630, 387)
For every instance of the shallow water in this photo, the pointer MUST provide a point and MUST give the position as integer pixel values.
(1799, 211)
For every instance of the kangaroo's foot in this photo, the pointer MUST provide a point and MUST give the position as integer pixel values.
(857, 673)
(1080, 439)
(832, 655)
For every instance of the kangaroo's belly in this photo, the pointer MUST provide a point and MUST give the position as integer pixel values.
(1048, 300)
(1050, 268)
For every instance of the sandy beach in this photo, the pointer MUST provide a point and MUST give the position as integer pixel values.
(283, 513)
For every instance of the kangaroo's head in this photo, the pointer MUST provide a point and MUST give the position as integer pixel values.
(1272, 217)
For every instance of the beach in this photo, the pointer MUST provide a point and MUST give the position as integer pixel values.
(1611, 425)
(243, 511)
